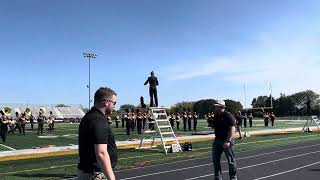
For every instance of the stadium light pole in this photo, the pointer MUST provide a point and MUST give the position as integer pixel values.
(89, 56)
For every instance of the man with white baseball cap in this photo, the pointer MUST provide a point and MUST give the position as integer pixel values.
(224, 129)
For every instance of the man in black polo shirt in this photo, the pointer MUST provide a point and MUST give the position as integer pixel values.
(97, 147)
(224, 129)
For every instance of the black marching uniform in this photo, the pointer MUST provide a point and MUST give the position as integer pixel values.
(4, 121)
(127, 119)
(22, 124)
(139, 123)
(40, 120)
(189, 121)
(272, 118)
(245, 120)
(171, 120)
(195, 121)
(250, 120)
(178, 121)
(31, 122)
(117, 121)
(185, 119)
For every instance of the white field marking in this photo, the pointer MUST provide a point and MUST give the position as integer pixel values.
(265, 177)
(191, 167)
(222, 161)
(72, 136)
(268, 162)
(7, 147)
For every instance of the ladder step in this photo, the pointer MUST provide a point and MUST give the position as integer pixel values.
(169, 139)
(161, 114)
(164, 126)
(149, 131)
(162, 120)
(167, 133)
(167, 147)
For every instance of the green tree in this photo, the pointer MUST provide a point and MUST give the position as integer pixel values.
(204, 106)
(182, 105)
(233, 106)
(126, 106)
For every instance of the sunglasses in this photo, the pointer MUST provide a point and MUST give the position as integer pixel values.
(114, 102)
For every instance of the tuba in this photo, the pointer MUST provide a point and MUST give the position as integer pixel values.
(7, 111)
(42, 110)
(28, 112)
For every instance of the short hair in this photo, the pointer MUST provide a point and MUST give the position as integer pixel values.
(103, 93)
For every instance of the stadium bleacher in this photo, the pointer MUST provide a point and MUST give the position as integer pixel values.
(70, 112)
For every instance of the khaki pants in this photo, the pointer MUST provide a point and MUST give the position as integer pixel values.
(90, 176)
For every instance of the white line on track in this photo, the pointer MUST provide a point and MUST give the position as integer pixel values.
(268, 162)
(223, 161)
(7, 147)
(265, 177)
(191, 167)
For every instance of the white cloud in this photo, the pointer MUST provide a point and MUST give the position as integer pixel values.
(290, 60)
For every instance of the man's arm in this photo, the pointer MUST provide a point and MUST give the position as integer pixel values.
(157, 82)
(146, 82)
(231, 133)
(103, 160)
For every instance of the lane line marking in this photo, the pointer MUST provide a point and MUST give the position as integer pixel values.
(254, 165)
(287, 171)
(191, 167)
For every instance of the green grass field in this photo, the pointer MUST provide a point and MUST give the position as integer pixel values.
(66, 134)
(65, 166)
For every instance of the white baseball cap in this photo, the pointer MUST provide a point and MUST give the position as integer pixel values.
(220, 103)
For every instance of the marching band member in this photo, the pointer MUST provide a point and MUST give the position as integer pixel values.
(250, 119)
(117, 121)
(144, 121)
(195, 121)
(22, 124)
(189, 120)
(272, 118)
(109, 120)
(185, 119)
(171, 120)
(50, 122)
(245, 120)
(178, 120)
(40, 120)
(4, 121)
(239, 118)
(12, 125)
(139, 122)
(266, 119)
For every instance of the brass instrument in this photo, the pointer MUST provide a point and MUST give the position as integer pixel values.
(28, 112)
(42, 110)
(7, 111)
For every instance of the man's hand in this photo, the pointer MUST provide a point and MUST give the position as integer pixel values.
(226, 145)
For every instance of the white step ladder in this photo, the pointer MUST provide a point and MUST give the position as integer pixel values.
(310, 120)
(162, 128)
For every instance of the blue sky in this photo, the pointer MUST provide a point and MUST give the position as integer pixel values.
(198, 49)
